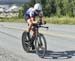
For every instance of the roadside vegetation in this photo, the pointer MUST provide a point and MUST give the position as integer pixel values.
(18, 20)
(51, 20)
(62, 20)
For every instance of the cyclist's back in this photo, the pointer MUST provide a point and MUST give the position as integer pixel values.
(31, 13)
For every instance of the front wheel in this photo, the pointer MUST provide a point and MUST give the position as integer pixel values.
(40, 45)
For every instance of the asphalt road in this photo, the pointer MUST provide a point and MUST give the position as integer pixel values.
(60, 43)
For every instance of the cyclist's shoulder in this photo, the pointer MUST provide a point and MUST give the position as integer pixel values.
(31, 9)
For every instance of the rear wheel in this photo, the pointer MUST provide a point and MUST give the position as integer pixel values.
(40, 45)
(25, 42)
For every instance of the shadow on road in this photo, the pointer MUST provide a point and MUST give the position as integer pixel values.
(59, 55)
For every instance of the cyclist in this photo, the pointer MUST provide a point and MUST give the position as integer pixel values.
(30, 14)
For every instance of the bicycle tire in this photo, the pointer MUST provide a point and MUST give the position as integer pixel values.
(40, 53)
(25, 42)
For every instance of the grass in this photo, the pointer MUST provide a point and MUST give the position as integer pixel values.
(19, 20)
(51, 20)
(62, 20)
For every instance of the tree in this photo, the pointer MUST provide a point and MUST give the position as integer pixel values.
(23, 10)
(53, 7)
(32, 2)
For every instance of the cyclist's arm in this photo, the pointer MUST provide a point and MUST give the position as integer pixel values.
(32, 18)
(40, 18)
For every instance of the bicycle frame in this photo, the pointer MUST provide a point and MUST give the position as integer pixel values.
(36, 27)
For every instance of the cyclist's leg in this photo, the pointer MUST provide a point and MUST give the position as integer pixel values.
(29, 25)
(33, 38)
(29, 28)
(27, 19)
(33, 32)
